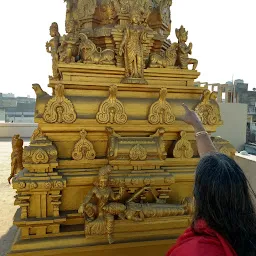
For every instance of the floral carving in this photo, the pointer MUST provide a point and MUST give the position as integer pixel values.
(83, 148)
(59, 109)
(22, 185)
(111, 110)
(40, 157)
(138, 152)
(161, 112)
(183, 147)
(208, 112)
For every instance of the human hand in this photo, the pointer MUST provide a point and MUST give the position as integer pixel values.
(190, 116)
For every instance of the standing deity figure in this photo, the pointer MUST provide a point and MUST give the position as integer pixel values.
(184, 50)
(68, 49)
(132, 48)
(98, 220)
(52, 48)
(16, 156)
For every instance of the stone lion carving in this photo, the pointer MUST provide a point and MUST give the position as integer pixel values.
(89, 53)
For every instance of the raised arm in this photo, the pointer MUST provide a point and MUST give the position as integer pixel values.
(203, 140)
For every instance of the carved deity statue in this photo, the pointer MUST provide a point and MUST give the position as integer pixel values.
(184, 50)
(68, 50)
(52, 48)
(132, 48)
(98, 220)
(16, 156)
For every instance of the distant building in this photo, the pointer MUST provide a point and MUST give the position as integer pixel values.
(16, 110)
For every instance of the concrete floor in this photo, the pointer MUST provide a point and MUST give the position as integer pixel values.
(7, 208)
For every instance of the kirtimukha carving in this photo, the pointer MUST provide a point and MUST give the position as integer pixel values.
(83, 148)
(98, 221)
(132, 49)
(52, 48)
(111, 110)
(208, 113)
(183, 147)
(16, 156)
(184, 50)
(168, 59)
(68, 50)
(59, 109)
(94, 55)
(161, 112)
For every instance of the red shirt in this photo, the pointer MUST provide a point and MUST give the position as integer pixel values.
(208, 242)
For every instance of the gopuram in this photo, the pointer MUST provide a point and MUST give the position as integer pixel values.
(110, 169)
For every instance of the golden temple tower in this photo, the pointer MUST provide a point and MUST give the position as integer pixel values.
(110, 169)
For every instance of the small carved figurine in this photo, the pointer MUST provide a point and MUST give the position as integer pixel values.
(16, 156)
(91, 54)
(184, 50)
(163, 61)
(52, 48)
(68, 49)
(98, 220)
(132, 48)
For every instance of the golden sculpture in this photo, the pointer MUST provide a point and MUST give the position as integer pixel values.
(136, 148)
(40, 155)
(184, 50)
(224, 146)
(208, 113)
(168, 59)
(183, 147)
(132, 48)
(145, 203)
(160, 112)
(83, 148)
(91, 54)
(99, 221)
(68, 50)
(16, 157)
(52, 48)
(111, 110)
(59, 109)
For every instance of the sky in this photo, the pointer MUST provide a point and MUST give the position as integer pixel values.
(222, 32)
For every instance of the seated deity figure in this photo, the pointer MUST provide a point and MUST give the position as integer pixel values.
(184, 50)
(98, 220)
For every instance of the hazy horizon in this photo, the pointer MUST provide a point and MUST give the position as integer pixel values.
(219, 31)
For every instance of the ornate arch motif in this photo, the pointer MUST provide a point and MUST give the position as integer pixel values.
(183, 147)
(111, 110)
(83, 148)
(40, 157)
(160, 112)
(59, 109)
(209, 113)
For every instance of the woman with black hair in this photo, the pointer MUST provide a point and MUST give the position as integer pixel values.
(225, 219)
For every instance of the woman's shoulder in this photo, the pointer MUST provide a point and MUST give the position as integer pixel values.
(199, 246)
